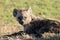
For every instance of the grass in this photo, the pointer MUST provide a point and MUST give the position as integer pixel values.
(45, 8)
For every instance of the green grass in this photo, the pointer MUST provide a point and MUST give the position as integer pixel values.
(48, 8)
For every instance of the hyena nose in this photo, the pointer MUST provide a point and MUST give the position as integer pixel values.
(20, 18)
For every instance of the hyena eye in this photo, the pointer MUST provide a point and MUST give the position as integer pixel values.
(25, 17)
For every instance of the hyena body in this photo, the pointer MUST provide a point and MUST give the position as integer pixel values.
(33, 24)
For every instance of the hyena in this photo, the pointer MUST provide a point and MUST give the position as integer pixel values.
(33, 24)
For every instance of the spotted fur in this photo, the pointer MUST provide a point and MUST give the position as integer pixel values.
(33, 24)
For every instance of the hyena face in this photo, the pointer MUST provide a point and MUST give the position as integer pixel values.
(23, 15)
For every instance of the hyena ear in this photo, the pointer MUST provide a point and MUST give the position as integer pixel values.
(15, 12)
(29, 10)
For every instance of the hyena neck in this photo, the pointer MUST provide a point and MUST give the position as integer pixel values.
(34, 18)
(37, 18)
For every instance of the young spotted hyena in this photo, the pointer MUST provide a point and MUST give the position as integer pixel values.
(33, 24)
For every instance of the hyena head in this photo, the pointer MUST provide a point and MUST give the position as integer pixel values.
(23, 16)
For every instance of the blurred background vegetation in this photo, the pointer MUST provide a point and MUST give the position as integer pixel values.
(45, 8)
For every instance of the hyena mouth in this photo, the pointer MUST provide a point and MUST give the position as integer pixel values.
(21, 22)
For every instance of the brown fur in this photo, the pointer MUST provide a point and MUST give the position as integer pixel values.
(33, 24)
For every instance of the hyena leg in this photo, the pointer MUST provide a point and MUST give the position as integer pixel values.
(41, 31)
(15, 34)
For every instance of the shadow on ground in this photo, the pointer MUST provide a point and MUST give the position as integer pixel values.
(22, 36)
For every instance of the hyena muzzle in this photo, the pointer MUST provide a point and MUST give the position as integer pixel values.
(33, 24)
